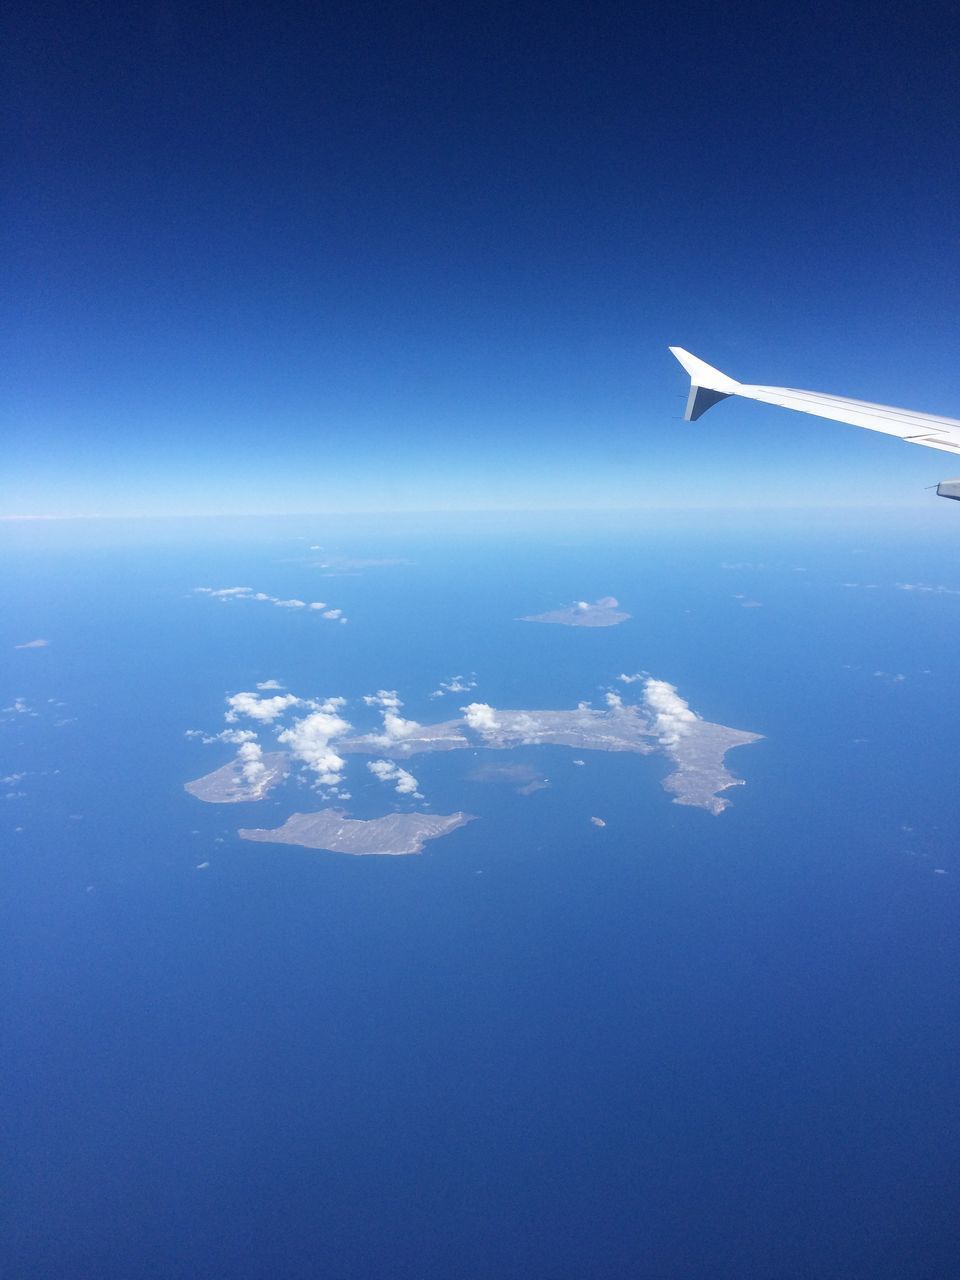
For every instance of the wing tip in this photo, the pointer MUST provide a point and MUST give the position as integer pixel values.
(708, 385)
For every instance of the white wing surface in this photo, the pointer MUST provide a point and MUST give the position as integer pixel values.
(709, 385)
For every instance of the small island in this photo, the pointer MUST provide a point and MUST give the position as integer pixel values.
(331, 829)
(604, 612)
(228, 785)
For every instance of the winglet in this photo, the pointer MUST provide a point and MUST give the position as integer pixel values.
(708, 386)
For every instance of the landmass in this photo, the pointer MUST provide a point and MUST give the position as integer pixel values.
(700, 773)
(228, 785)
(396, 834)
(697, 748)
(602, 613)
(663, 723)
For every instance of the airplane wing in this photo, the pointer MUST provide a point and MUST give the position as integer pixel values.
(709, 385)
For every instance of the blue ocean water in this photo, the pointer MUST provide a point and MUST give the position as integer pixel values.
(679, 1046)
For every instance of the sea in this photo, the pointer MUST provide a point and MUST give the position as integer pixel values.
(680, 1045)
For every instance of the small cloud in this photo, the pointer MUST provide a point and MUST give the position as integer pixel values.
(625, 679)
(385, 698)
(33, 644)
(309, 740)
(672, 714)
(456, 684)
(481, 717)
(247, 593)
(613, 700)
(270, 684)
(395, 728)
(252, 768)
(263, 709)
(405, 784)
(926, 588)
(235, 737)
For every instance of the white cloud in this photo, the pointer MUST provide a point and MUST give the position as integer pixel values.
(395, 728)
(383, 698)
(672, 715)
(309, 740)
(405, 784)
(634, 679)
(252, 767)
(330, 705)
(236, 736)
(33, 644)
(248, 593)
(233, 736)
(263, 709)
(614, 701)
(926, 588)
(481, 717)
(456, 684)
(269, 684)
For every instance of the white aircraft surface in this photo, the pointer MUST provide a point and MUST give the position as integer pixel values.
(709, 385)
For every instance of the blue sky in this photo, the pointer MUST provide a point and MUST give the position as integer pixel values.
(387, 257)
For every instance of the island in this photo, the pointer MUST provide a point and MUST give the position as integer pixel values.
(228, 785)
(663, 723)
(331, 829)
(604, 612)
(697, 748)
